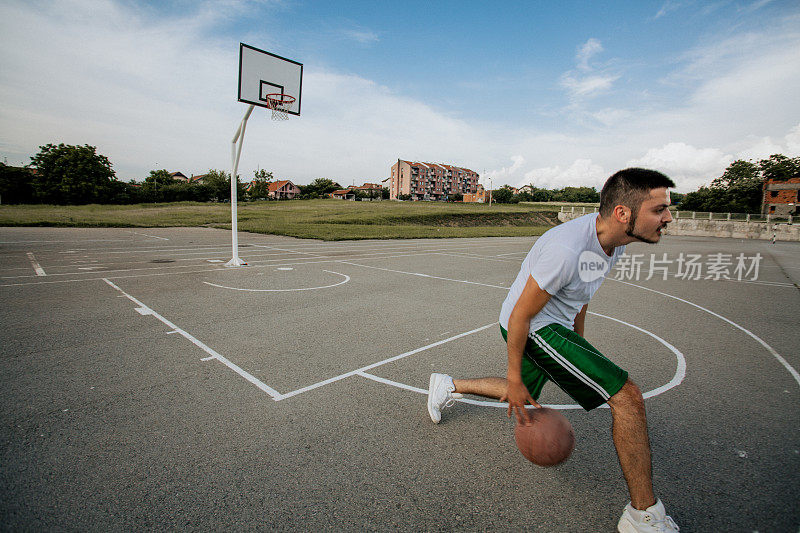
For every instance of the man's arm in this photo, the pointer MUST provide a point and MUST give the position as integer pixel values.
(580, 318)
(530, 302)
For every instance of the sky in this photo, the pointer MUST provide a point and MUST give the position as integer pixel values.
(552, 94)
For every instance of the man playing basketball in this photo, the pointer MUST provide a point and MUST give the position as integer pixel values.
(542, 321)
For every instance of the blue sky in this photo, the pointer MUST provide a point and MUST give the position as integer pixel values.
(549, 93)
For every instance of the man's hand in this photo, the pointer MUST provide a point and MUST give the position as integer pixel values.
(517, 396)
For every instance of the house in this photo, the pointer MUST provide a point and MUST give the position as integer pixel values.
(430, 181)
(200, 179)
(343, 194)
(178, 176)
(370, 190)
(781, 197)
(478, 196)
(283, 190)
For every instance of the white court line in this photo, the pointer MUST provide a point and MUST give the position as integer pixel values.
(677, 378)
(346, 279)
(264, 263)
(758, 339)
(383, 247)
(144, 310)
(380, 363)
(226, 269)
(151, 236)
(67, 242)
(284, 250)
(425, 275)
(477, 256)
(756, 282)
(36, 268)
(250, 257)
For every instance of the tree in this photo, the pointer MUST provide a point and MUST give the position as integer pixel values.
(260, 187)
(537, 195)
(741, 184)
(576, 194)
(779, 167)
(319, 188)
(15, 185)
(738, 172)
(158, 178)
(705, 199)
(503, 195)
(67, 174)
(219, 185)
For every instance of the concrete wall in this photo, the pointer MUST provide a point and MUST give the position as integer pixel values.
(723, 228)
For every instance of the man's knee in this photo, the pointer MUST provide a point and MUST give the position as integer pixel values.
(629, 396)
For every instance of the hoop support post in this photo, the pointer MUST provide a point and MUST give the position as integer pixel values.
(236, 153)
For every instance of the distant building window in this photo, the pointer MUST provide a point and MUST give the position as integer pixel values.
(773, 194)
(772, 209)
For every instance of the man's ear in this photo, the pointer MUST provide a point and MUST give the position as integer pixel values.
(622, 214)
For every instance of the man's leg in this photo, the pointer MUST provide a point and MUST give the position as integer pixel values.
(629, 431)
(442, 391)
(488, 387)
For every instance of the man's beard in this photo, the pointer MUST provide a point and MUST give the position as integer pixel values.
(629, 231)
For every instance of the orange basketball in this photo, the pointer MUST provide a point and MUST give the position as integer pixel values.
(549, 440)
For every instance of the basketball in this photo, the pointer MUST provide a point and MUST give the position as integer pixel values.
(549, 440)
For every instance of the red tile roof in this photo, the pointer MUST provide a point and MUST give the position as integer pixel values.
(275, 185)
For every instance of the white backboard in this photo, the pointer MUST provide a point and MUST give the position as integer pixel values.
(262, 73)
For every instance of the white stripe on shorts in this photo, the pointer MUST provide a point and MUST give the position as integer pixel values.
(569, 367)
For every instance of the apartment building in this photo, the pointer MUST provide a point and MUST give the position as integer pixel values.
(430, 181)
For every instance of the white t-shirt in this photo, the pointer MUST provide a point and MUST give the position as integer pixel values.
(567, 262)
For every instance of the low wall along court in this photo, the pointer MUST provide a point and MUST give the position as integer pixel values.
(703, 225)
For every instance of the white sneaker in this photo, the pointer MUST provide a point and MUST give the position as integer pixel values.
(651, 520)
(440, 395)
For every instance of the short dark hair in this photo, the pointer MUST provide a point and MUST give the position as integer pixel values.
(630, 187)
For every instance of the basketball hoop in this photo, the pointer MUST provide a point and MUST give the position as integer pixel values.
(280, 104)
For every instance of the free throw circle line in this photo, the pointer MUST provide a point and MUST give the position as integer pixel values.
(345, 276)
(680, 373)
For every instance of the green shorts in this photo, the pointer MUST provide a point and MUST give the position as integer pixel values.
(560, 355)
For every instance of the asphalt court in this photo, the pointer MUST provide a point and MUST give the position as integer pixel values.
(146, 385)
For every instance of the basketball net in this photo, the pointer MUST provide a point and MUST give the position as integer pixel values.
(280, 104)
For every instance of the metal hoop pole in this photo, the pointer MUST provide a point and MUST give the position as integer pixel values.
(236, 153)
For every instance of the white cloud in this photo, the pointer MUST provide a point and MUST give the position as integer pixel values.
(669, 5)
(506, 175)
(688, 166)
(588, 85)
(758, 4)
(610, 116)
(760, 149)
(362, 36)
(582, 172)
(590, 48)
(586, 80)
(793, 141)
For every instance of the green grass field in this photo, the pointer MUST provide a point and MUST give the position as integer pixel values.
(310, 219)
